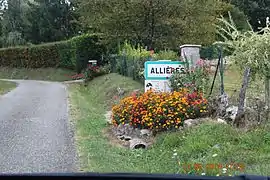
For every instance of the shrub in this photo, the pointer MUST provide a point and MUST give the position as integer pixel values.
(130, 60)
(209, 52)
(166, 55)
(13, 39)
(195, 79)
(159, 111)
(86, 47)
(66, 54)
(131, 51)
(94, 71)
(78, 76)
(45, 55)
(71, 54)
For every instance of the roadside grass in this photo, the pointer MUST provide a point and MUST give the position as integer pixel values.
(6, 86)
(193, 146)
(48, 74)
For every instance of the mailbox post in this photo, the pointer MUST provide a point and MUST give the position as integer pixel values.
(92, 63)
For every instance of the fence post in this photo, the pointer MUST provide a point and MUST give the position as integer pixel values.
(125, 67)
(239, 120)
(267, 96)
(133, 68)
(221, 72)
(115, 64)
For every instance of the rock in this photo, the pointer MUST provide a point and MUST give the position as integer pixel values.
(190, 122)
(217, 146)
(121, 137)
(231, 112)
(127, 138)
(146, 132)
(137, 144)
(137, 132)
(108, 117)
(121, 91)
(181, 128)
(223, 102)
(128, 129)
(221, 121)
(193, 122)
(120, 130)
(201, 120)
(136, 138)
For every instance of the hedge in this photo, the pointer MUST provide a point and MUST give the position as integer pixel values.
(71, 54)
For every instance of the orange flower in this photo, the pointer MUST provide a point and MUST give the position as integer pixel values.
(149, 109)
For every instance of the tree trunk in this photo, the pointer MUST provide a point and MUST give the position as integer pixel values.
(239, 120)
(267, 95)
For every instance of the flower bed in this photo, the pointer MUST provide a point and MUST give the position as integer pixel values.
(94, 71)
(159, 111)
(77, 76)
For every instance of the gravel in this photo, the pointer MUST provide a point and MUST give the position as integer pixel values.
(35, 134)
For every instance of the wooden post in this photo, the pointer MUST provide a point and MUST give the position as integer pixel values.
(239, 120)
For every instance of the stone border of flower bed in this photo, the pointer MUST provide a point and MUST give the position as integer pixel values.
(135, 138)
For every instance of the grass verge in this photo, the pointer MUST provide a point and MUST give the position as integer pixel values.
(6, 86)
(206, 144)
(48, 74)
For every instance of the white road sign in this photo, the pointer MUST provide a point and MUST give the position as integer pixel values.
(162, 70)
(157, 85)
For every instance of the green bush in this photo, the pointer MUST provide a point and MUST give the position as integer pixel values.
(45, 55)
(94, 71)
(130, 60)
(166, 55)
(67, 55)
(71, 54)
(194, 79)
(129, 50)
(86, 47)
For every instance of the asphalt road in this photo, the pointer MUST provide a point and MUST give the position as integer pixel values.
(35, 134)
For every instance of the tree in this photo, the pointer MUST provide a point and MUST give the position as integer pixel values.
(256, 10)
(13, 22)
(250, 50)
(51, 20)
(155, 23)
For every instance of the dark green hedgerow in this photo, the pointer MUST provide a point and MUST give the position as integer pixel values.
(71, 54)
